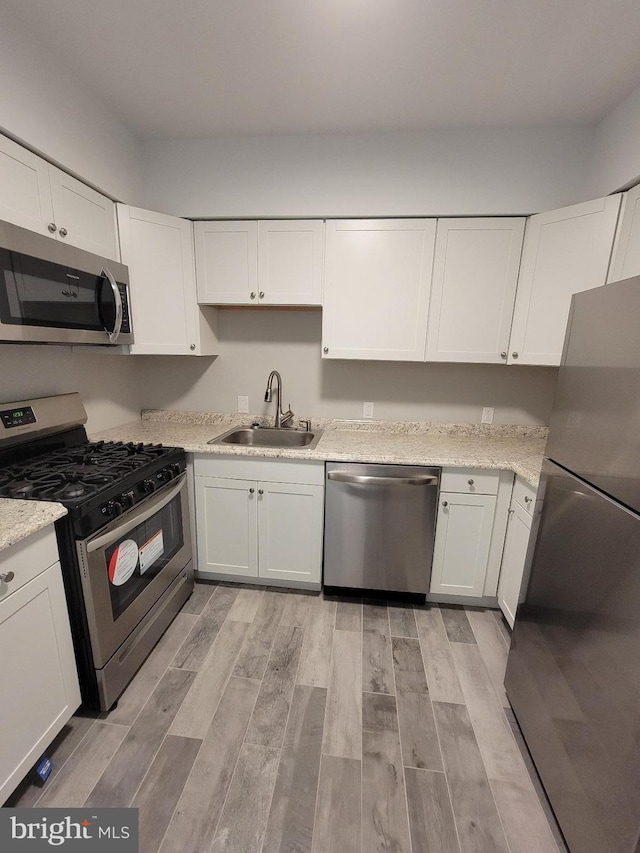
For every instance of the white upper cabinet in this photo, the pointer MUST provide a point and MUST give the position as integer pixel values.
(84, 217)
(25, 193)
(565, 251)
(260, 263)
(376, 288)
(166, 318)
(290, 262)
(626, 250)
(227, 262)
(475, 273)
(38, 196)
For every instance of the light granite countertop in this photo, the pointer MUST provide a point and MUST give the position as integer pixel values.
(510, 448)
(19, 519)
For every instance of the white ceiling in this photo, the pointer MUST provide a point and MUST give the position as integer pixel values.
(203, 68)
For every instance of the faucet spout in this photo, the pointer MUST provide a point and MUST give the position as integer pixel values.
(281, 418)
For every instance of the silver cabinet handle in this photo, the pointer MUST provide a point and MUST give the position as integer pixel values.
(503, 354)
(470, 482)
(114, 334)
(445, 503)
(368, 480)
(261, 491)
(262, 294)
(252, 295)
(63, 232)
(145, 511)
(52, 227)
(527, 499)
(251, 491)
(325, 350)
(7, 577)
(192, 347)
(514, 355)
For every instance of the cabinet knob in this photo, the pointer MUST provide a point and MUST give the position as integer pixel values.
(445, 503)
(325, 350)
(514, 355)
(262, 294)
(63, 232)
(251, 491)
(52, 227)
(252, 295)
(471, 482)
(503, 354)
(192, 347)
(527, 499)
(261, 491)
(7, 577)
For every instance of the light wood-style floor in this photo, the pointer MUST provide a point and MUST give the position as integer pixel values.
(276, 721)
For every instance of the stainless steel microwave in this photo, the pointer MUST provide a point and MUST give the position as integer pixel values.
(53, 293)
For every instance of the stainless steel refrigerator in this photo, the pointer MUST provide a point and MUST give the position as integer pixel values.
(573, 674)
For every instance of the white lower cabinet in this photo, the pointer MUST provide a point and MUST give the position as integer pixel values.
(259, 520)
(40, 690)
(523, 516)
(470, 528)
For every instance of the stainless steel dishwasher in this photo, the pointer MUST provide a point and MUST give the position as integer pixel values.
(379, 526)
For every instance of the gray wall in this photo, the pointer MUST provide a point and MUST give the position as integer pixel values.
(254, 342)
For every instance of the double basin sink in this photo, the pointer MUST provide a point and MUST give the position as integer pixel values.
(259, 436)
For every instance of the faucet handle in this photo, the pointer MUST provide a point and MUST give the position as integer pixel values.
(286, 417)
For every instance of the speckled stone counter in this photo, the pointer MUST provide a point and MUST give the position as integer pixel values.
(19, 519)
(511, 448)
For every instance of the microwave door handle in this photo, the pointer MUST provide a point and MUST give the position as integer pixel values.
(114, 334)
(148, 508)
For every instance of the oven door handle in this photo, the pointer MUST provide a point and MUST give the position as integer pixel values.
(147, 509)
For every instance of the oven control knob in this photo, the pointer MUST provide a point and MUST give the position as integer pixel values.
(114, 508)
(174, 469)
(127, 499)
(147, 486)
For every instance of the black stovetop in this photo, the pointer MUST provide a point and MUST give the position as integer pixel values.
(95, 481)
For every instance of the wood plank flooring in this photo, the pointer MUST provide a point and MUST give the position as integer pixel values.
(268, 721)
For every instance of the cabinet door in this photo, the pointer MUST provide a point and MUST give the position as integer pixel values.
(376, 288)
(475, 272)
(463, 541)
(38, 674)
(626, 251)
(158, 250)
(513, 561)
(84, 217)
(25, 193)
(227, 526)
(290, 525)
(227, 262)
(565, 251)
(290, 262)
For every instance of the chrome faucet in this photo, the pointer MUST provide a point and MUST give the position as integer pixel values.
(282, 418)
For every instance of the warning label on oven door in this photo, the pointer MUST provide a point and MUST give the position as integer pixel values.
(123, 562)
(150, 551)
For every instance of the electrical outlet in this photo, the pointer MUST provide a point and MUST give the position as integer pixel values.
(243, 405)
(367, 410)
(487, 415)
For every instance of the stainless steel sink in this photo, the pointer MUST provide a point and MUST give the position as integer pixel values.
(269, 437)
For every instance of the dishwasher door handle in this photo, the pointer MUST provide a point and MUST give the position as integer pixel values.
(369, 480)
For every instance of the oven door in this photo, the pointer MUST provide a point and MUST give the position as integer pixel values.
(127, 567)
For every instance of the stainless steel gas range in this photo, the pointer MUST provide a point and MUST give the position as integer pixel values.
(125, 545)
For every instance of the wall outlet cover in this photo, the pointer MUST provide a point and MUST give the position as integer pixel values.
(367, 410)
(243, 405)
(487, 415)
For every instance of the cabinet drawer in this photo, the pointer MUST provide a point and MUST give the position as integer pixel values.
(525, 495)
(27, 559)
(471, 481)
